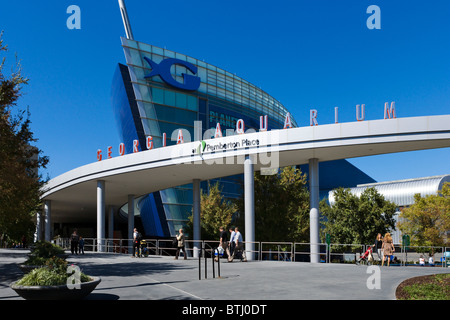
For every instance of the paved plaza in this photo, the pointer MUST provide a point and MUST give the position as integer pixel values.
(163, 278)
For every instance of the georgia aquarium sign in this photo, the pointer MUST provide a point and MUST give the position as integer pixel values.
(190, 82)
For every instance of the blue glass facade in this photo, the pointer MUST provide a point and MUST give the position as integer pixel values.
(147, 105)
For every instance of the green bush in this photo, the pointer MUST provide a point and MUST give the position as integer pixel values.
(46, 249)
(53, 273)
(42, 251)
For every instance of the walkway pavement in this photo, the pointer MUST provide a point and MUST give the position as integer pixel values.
(163, 278)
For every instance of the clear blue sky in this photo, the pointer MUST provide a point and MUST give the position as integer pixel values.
(306, 53)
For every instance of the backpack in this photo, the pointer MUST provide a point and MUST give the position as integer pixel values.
(138, 237)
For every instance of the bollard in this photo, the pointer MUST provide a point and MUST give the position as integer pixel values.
(200, 263)
(218, 263)
(213, 268)
(206, 264)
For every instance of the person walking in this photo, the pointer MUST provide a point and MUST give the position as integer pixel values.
(137, 237)
(231, 245)
(377, 246)
(223, 242)
(74, 238)
(239, 244)
(388, 248)
(180, 246)
(81, 245)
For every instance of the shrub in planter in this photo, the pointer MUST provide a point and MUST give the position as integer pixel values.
(53, 282)
(41, 252)
(53, 273)
(45, 249)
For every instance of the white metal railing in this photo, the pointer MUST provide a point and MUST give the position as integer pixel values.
(278, 251)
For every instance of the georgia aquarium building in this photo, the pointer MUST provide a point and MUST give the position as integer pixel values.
(159, 91)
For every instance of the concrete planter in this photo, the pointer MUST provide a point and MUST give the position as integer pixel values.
(61, 292)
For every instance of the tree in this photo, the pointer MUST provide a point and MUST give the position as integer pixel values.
(281, 206)
(215, 212)
(427, 221)
(20, 183)
(357, 220)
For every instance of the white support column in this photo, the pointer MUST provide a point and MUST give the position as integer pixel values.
(47, 220)
(111, 225)
(111, 222)
(249, 206)
(196, 216)
(314, 209)
(38, 232)
(100, 216)
(130, 220)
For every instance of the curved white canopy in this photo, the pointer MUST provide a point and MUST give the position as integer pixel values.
(74, 193)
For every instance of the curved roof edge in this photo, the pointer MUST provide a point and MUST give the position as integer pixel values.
(402, 192)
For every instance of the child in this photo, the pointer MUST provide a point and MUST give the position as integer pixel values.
(421, 261)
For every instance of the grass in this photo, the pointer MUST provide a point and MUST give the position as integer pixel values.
(53, 273)
(434, 287)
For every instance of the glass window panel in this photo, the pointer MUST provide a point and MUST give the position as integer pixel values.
(201, 72)
(181, 100)
(180, 56)
(145, 93)
(179, 116)
(135, 57)
(149, 111)
(157, 50)
(153, 127)
(169, 97)
(178, 212)
(157, 58)
(158, 95)
(140, 74)
(203, 87)
(145, 47)
(169, 54)
(192, 103)
(129, 43)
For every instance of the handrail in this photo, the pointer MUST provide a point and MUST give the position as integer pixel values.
(295, 251)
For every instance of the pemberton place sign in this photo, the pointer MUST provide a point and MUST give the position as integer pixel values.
(182, 135)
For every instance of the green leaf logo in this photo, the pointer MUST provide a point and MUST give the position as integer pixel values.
(201, 147)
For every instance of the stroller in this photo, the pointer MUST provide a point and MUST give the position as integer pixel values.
(143, 248)
(367, 257)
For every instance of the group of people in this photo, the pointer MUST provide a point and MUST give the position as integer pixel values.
(422, 261)
(234, 247)
(384, 247)
(76, 243)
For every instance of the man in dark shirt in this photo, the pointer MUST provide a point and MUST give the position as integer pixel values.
(223, 241)
(74, 238)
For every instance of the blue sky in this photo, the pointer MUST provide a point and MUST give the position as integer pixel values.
(307, 54)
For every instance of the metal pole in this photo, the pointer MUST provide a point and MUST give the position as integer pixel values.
(314, 209)
(130, 221)
(100, 215)
(196, 215)
(47, 220)
(200, 263)
(206, 263)
(218, 264)
(212, 261)
(126, 20)
(249, 200)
